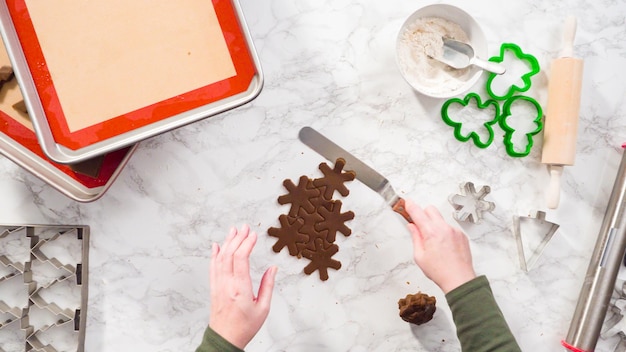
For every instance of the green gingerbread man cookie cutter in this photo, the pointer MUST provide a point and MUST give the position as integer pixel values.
(510, 131)
(458, 134)
(531, 61)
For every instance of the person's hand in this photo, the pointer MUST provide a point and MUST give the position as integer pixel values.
(236, 314)
(440, 250)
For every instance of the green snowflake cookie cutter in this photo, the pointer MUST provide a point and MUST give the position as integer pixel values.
(509, 131)
(458, 125)
(532, 62)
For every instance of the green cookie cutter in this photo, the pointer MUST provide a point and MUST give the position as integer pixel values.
(458, 125)
(533, 64)
(509, 131)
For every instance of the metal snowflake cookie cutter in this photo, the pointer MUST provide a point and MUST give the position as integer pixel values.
(530, 61)
(543, 232)
(469, 204)
(458, 126)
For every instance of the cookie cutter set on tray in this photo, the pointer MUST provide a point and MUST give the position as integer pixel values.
(85, 106)
(43, 287)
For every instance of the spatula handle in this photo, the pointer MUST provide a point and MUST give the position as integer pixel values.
(400, 208)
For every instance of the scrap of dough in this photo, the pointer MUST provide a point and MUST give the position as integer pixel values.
(418, 308)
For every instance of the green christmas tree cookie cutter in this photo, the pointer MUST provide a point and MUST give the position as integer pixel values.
(458, 125)
(531, 61)
(509, 131)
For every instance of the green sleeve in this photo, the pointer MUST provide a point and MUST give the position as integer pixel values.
(480, 325)
(213, 342)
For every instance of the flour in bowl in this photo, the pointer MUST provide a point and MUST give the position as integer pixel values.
(421, 39)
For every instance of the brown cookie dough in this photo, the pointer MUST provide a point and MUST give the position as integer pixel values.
(20, 106)
(418, 308)
(321, 259)
(314, 218)
(6, 74)
(288, 235)
(334, 221)
(299, 196)
(334, 179)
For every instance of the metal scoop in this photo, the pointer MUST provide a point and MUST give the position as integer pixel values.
(459, 55)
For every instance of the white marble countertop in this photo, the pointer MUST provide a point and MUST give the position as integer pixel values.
(331, 65)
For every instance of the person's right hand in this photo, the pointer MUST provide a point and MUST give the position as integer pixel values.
(440, 250)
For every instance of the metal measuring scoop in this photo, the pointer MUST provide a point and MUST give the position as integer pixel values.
(461, 55)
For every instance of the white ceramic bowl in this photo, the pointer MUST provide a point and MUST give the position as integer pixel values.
(447, 82)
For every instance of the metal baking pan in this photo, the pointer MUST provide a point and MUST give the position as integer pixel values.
(61, 177)
(49, 264)
(128, 71)
(19, 144)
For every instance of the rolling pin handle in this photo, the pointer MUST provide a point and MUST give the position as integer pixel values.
(554, 189)
(569, 32)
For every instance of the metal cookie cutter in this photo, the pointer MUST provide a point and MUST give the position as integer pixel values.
(614, 323)
(470, 205)
(68, 276)
(545, 229)
(621, 345)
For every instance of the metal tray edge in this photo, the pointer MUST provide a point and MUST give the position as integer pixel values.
(43, 170)
(63, 155)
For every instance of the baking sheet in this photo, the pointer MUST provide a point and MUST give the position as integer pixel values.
(98, 76)
(18, 142)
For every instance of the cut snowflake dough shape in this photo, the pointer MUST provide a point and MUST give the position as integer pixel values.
(288, 234)
(299, 195)
(334, 179)
(321, 259)
(334, 221)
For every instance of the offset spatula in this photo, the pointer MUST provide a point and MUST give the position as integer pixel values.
(364, 173)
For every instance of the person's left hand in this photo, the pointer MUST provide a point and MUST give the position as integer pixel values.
(236, 314)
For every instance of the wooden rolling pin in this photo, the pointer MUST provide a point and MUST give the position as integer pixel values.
(561, 122)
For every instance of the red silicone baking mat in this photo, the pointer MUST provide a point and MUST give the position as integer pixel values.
(19, 143)
(99, 75)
